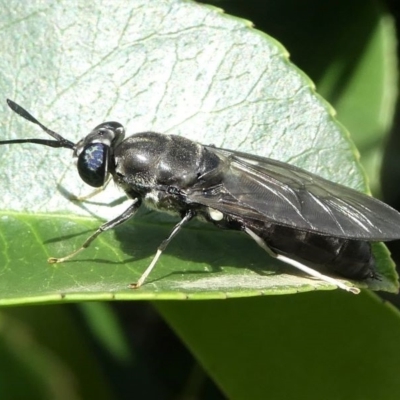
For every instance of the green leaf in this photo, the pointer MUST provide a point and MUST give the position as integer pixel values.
(169, 66)
(349, 50)
(320, 346)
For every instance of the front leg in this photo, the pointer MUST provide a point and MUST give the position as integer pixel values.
(88, 196)
(127, 214)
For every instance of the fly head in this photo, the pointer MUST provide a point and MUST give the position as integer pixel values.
(94, 152)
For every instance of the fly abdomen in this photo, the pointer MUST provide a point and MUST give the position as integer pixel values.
(355, 260)
(352, 259)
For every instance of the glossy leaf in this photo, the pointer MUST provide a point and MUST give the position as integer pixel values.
(169, 66)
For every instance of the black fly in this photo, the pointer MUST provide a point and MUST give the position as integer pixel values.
(297, 217)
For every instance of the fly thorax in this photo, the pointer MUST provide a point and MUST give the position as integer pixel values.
(136, 160)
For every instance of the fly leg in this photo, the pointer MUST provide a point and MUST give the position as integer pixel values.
(91, 194)
(300, 266)
(187, 217)
(128, 213)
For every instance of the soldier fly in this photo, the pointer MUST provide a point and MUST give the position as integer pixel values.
(295, 216)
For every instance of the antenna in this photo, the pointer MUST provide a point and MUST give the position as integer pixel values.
(59, 142)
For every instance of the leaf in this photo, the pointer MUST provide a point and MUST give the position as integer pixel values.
(322, 345)
(349, 50)
(169, 66)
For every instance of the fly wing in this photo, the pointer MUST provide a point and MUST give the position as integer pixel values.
(272, 191)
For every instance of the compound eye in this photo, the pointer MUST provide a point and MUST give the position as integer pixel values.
(92, 164)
